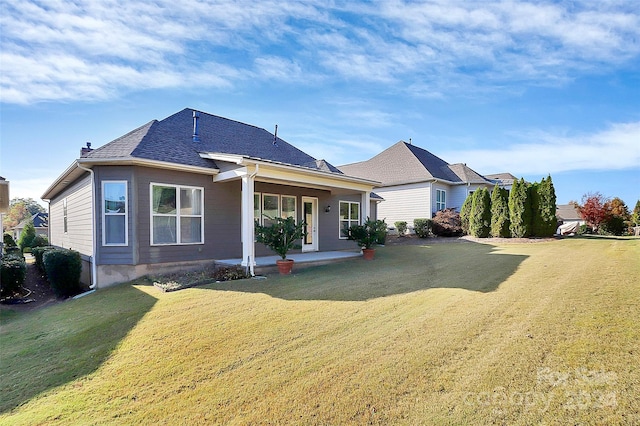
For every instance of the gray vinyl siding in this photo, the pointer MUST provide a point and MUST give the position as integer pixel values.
(404, 203)
(79, 223)
(221, 218)
(116, 255)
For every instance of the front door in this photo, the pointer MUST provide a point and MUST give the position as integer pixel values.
(310, 216)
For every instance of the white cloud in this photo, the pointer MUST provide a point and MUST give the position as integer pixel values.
(92, 49)
(615, 148)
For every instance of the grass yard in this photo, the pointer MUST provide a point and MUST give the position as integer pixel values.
(454, 333)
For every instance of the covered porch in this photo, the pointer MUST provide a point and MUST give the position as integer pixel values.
(268, 263)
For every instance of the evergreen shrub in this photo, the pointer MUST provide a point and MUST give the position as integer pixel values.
(63, 268)
(422, 227)
(401, 226)
(12, 275)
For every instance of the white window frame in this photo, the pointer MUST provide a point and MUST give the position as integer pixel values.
(125, 214)
(177, 215)
(350, 221)
(441, 204)
(295, 207)
(65, 216)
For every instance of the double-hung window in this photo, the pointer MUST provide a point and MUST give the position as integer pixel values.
(65, 221)
(349, 216)
(176, 214)
(114, 213)
(441, 199)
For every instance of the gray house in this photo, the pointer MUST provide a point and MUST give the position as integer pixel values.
(414, 183)
(186, 190)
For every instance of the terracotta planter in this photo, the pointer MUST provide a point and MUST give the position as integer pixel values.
(368, 254)
(284, 266)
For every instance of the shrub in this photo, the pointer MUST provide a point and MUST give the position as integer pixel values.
(14, 252)
(613, 225)
(401, 226)
(465, 211)
(480, 214)
(39, 241)
(500, 213)
(38, 253)
(8, 241)
(585, 229)
(366, 235)
(422, 227)
(12, 274)
(27, 235)
(230, 273)
(63, 268)
(446, 223)
(382, 232)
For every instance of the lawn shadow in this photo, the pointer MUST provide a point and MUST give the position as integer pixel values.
(47, 348)
(395, 270)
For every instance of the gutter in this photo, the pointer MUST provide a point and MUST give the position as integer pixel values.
(94, 237)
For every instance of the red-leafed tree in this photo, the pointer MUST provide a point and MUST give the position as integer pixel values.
(595, 209)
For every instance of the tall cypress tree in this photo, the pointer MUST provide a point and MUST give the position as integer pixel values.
(520, 209)
(464, 213)
(536, 217)
(547, 208)
(480, 215)
(499, 213)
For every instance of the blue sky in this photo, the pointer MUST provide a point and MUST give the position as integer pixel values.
(530, 88)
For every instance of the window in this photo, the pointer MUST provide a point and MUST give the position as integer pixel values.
(176, 214)
(64, 215)
(441, 199)
(349, 215)
(114, 213)
(267, 207)
(288, 207)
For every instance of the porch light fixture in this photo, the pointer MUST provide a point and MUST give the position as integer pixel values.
(327, 209)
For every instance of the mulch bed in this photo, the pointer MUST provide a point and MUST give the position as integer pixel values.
(37, 292)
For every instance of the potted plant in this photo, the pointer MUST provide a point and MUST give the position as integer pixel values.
(367, 235)
(281, 236)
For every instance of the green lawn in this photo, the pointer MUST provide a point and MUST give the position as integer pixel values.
(459, 333)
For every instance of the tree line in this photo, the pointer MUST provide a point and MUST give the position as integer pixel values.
(528, 210)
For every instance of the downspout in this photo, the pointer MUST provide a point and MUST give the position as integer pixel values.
(94, 238)
(252, 257)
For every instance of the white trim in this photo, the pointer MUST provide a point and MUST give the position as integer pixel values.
(438, 203)
(104, 214)
(314, 246)
(349, 220)
(247, 220)
(177, 215)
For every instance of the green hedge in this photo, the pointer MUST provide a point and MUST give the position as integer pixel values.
(63, 269)
(422, 227)
(401, 226)
(13, 272)
(38, 253)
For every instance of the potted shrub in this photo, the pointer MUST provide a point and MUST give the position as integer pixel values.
(281, 236)
(367, 235)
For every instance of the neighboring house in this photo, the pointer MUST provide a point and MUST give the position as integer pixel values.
(186, 190)
(569, 219)
(40, 223)
(504, 180)
(416, 184)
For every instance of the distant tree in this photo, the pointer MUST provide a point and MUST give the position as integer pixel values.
(500, 212)
(19, 210)
(520, 209)
(480, 215)
(543, 205)
(595, 209)
(635, 216)
(27, 235)
(464, 213)
(619, 208)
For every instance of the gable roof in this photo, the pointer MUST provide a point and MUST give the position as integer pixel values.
(40, 220)
(172, 140)
(404, 163)
(567, 212)
(191, 140)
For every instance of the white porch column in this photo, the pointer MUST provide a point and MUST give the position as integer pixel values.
(366, 206)
(247, 221)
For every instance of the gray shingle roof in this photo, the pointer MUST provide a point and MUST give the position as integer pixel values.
(171, 140)
(404, 163)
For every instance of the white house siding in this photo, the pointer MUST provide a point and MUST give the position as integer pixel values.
(404, 203)
(79, 224)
